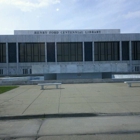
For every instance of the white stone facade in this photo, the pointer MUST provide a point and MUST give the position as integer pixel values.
(55, 36)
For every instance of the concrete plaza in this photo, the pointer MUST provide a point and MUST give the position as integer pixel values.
(71, 98)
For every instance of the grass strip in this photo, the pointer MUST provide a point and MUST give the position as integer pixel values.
(6, 88)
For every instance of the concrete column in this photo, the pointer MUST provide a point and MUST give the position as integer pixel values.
(130, 55)
(17, 53)
(45, 52)
(7, 61)
(93, 58)
(83, 47)
(120, 51)
(55, 52)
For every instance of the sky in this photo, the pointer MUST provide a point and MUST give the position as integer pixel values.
(69, 15)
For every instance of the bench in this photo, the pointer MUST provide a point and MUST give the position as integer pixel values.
(130, 82)
(47, 84)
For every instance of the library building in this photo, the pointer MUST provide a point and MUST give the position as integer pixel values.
(69, 54)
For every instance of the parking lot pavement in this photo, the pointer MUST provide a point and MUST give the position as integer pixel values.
(71, 98)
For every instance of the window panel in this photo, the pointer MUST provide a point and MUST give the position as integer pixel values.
(96, 48)
(125, 50)
(102, 58)
(73, 49)
(2, 53)
(138, 47)
(109, 48)
(21, 49)
(31, 52)
(102, 48)
(109, 57)
(59, 58)
(36, 51)
(135, 50)
(42, 49)
(106, 51)
(51, 52)
(28, 51)
(69, 51)
(28, 58)
(66, 49)
(12, 52)
(35, 59)
(66, 58)
(42, 58)
(21, 59)
(59, 49)
(96, 58)
(72, 58)
(88, 51)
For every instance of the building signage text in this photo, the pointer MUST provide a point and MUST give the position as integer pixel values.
(55, 32)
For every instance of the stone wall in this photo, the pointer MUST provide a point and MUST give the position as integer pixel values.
(80, 68)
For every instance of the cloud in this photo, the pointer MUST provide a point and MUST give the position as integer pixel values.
(57, 9)
(135, 14)
(29, 5)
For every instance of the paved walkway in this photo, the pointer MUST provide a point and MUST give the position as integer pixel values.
(98, 128)
(71, 98)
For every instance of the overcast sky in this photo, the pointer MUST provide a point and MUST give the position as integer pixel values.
(69, 14)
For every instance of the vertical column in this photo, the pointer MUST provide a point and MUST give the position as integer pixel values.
(55, 52)
(17, 53)
(120, 50)
(7, 62)
(93, 58)
(130, 55)
(83, 47)
(45, 52)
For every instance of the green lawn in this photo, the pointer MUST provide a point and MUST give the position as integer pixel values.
(6, 88)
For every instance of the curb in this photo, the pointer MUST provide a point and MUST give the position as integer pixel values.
(67, 115)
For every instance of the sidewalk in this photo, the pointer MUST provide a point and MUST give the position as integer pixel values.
(71, 98)
(98, 128)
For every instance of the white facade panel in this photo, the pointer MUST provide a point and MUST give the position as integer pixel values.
(63, 68)
(88, 68)
(122, 67)
(54, 69)
(80, 68)
(37, 69)
(105, 67)
(72, 68)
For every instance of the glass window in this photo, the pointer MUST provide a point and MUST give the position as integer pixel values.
(96, 51)
(31, 52)
(25, 71)
(135, 50)
(1, 71)
(88, 51)
(51, 52)
(125, 50)
(2, 53)
(69, 51)
(106, 51)
(109, 48)
(36, 49)
(12, 53)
